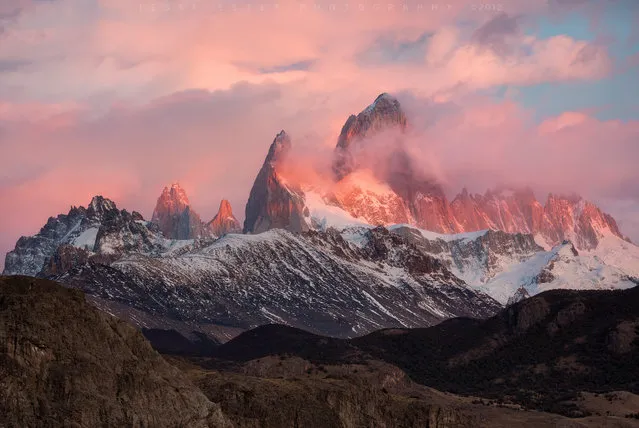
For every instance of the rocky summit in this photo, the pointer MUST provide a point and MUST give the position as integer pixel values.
(100, 228)
(273, 202)
(384, 113)
(390, 190)
(224, 221)
(174, 215)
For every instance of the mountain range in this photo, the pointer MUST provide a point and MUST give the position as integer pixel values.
(379, 247)
(389, 189)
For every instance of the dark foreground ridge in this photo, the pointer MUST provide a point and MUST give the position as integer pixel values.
(540, 353)
(65, 363)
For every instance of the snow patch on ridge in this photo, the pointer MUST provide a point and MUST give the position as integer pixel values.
(433, 236)
(558, 268)
(616, 252)
(324, 215)
(86, 240)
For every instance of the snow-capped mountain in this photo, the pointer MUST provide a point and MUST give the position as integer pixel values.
(174, 215)
(508, 267)
(390, 191)
(224, 221)
(99, 228)
(561, 267)
(340, 282)
(316, 280)
(372, 250)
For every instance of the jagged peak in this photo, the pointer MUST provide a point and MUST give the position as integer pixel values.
(101, 204)
(384, 104)
(384, 113)
(279, 148)
(385, 108)
(573, 198)
(225, 210)
(464, 195)
(175, 193)
(224, 221)
(384, 98)
(506, 192)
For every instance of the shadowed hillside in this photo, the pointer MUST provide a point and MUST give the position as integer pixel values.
(64, 363)
(540, 352)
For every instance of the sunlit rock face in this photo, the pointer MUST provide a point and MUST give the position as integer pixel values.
(397, 193)
(383, 114)
(577, 220)
(174, 215)
(275, 203)
(389, 190)
(224, 221)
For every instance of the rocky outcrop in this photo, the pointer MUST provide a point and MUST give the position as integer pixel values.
(275, 203)
(65, 258)
(468, 212)
(518, 211)
(433, 212)
(384, 113)
(520, 294)
(356, 396)
(578, 220)
(174, 215)
(396, 250)
(99, 228)
(64, 363)
(224, 221)
(364, 196)
(399, 194)
(475, 258)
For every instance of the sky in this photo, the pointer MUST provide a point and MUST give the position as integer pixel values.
(123, 97)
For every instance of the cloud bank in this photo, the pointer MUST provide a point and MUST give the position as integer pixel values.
(119, 99)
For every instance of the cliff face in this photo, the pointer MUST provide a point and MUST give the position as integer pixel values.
(64, 363)
(99, 228)
(224, 221)
(295, 393)
(273, 202)
(384, 113)
(174, 215)
(398, 194)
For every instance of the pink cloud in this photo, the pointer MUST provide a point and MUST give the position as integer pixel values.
(565, 120)
(125, 100)
(137, 54)
(486, 144)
